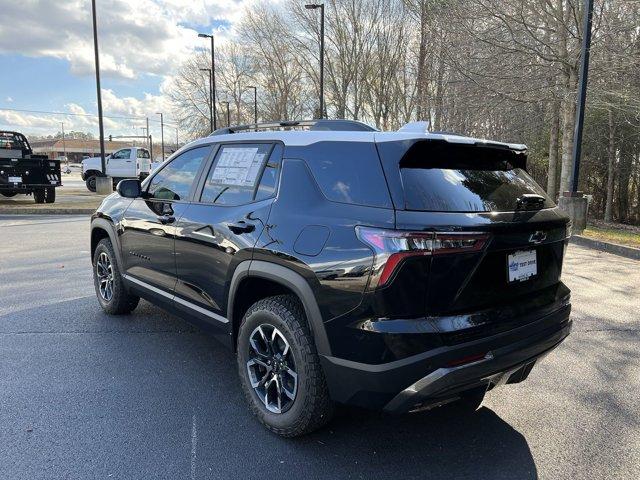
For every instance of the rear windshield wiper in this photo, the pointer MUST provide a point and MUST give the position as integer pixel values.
(530, 201)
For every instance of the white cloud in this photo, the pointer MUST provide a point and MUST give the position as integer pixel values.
(136, 37)
(123, 116)
(9, 100)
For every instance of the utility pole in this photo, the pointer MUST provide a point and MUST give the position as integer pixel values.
(213, 77)
(211, 119)
(313, 6)
(161, 133)
(255, 103)
(97, 61)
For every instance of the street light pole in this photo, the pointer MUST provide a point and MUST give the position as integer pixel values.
(313, 6)
(99, 93)
(213, 77)
(161, 133)
(228, 113)
(148, 135)
(255, 103)
(211, 120)
(574, 203)
(582, 93)
(64, 144)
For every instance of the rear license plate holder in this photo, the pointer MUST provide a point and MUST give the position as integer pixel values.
(522, 265)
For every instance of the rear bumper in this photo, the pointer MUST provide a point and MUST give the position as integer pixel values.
(434, 376)
(27, 187)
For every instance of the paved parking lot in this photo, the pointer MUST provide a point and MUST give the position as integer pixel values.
(84, 395)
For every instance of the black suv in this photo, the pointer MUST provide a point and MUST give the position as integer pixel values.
(389, 270)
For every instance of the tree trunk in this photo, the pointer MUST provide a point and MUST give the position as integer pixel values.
(552, 175)
(422, 63)
(611, 153)
(568, 127)
(624, 178)
(437, 119)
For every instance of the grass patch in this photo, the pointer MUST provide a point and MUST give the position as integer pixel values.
(612, 235)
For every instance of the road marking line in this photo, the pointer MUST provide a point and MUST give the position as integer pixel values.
(194, 445)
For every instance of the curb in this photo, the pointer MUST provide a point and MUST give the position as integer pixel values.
(46, 211)
(621, 250)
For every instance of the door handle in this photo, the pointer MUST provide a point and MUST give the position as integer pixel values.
(241, 227)
(166, 219)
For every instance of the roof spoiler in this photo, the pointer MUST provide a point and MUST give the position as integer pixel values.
(423, 128)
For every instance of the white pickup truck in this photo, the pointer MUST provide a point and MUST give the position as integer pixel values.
(131, 162)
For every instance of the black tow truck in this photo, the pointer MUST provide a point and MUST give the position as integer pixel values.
(22, 171)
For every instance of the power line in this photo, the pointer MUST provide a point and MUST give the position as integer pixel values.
(81, 115)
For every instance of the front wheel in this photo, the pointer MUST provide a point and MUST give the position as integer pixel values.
(110, 290)
(279, 368)
(91, 183)
(8, 194)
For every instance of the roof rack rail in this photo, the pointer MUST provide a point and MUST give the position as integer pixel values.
(314, 125)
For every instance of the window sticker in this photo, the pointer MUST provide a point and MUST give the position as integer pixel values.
(238, 167)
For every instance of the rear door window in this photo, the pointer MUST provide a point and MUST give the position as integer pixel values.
(465, 183)
(242, 173)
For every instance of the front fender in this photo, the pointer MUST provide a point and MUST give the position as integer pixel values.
(107, 226)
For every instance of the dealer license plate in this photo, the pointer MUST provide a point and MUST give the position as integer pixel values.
(15, 179)
(522, 265)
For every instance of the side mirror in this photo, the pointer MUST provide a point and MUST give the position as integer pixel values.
(129, 188)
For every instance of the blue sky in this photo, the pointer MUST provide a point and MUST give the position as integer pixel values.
(142, 44)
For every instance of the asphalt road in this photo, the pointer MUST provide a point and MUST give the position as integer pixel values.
(84, 395)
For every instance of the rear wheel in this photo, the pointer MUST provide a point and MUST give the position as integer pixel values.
(279, 368)
(39, 195)
(50, 195)
(91, 183)
(110, 290)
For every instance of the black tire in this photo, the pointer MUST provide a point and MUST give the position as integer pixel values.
(50, 195)
(311, 407)
(91, 183)
(39, 195)
(119, 301)
(8, 194)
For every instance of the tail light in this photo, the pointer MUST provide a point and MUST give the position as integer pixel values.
(392, 247)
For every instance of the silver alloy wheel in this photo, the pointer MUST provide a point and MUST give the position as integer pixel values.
(104, 272)
(272, 368)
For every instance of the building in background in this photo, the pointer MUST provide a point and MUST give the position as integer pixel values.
(76, 150)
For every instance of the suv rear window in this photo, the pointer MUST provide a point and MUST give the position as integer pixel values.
(467, 179)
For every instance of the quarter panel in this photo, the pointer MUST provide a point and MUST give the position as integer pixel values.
(339, 273)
